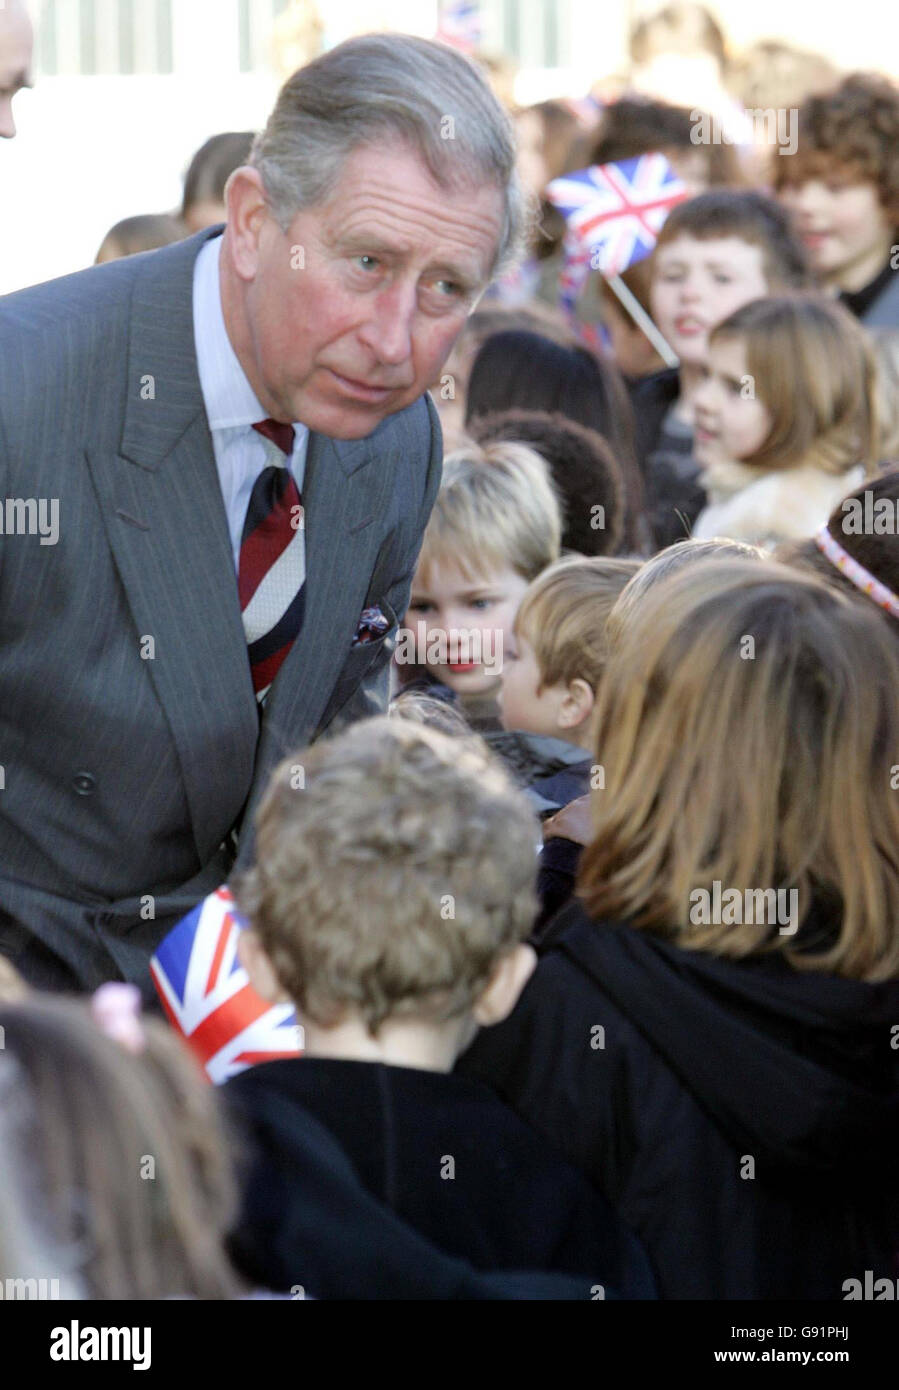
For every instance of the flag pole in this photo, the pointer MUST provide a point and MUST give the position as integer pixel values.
(642, 320)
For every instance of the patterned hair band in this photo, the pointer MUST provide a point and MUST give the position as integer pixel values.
(856, 573)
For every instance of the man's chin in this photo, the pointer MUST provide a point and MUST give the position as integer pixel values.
(348, 421)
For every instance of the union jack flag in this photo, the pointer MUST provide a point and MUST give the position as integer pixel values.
(208, 998)
(615, 211)
(459, 24)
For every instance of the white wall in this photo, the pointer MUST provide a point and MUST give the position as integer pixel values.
(92, 150)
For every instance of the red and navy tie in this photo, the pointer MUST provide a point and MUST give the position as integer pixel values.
(272, 568)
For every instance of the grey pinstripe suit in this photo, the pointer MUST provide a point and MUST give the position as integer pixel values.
(125, 763)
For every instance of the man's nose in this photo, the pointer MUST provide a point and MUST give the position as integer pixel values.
(388, 330)
(7, 124)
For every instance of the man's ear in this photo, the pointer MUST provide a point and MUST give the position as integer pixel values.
(252, 956)
(509, 978)
(247, 213)
(577, 704)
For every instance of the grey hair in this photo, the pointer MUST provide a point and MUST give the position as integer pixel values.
(409, 88)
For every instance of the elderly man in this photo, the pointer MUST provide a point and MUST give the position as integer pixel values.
(16, 42)
(219, 459)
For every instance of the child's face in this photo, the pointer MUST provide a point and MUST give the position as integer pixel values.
(523, 703)
(730, 422)
(696, 284)
(450, 606)
(846, 233)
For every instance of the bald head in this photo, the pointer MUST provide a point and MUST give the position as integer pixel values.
(16, 44)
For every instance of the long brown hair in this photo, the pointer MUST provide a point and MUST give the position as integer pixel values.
(123, 1159)
(748, 729)
(814, 371)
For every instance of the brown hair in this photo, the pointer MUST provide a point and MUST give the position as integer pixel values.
(753, 218)
(747, 726)
(813, 369)
(395, 867)
(146, 232)
(563, 616)
(585, 473)
(878, 551)
(850, 133)
(636, 125)
(127, 1175)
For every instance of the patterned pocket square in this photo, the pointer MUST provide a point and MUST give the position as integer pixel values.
(372, 624)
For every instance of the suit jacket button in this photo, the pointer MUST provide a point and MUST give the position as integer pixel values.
(84, 783)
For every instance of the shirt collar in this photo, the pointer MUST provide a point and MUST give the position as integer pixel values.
(227, 394)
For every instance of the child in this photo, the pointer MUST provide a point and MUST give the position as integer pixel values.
(135, 234)
(552, 670)
(786, 419)
(856, 551)
(842, 188)
(714, 253)
(119, 1150)
(736, 937)
(391, 896)
(203, 200)
(527, 371)
(495, 526)
(567, 831)
(584, 470)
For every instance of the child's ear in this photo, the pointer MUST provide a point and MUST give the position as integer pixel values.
(252, 956)
(577, 704)
(509, 978)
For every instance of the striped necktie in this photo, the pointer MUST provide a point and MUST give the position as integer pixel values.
(272, 566)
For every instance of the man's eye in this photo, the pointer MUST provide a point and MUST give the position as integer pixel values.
(372, 262)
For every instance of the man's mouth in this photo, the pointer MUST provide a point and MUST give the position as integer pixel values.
(361, 390)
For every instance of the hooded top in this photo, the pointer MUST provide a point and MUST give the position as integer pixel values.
(363, 1180)
(742, 1115)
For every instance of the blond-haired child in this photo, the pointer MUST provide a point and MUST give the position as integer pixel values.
(496, 524)
(551, 678)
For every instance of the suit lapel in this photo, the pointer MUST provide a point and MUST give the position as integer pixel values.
(165, 520)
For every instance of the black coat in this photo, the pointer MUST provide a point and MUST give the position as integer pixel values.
(673, 495)
(742, 1116)
(370, 1181)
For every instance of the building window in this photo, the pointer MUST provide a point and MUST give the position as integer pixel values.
(104, 37)
(256, 18)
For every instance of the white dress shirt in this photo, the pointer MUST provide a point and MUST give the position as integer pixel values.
(231, 405)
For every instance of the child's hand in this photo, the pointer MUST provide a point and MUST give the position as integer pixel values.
(573, 822)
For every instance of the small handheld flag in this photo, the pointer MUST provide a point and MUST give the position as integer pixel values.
(614, 213)
(208, 998)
